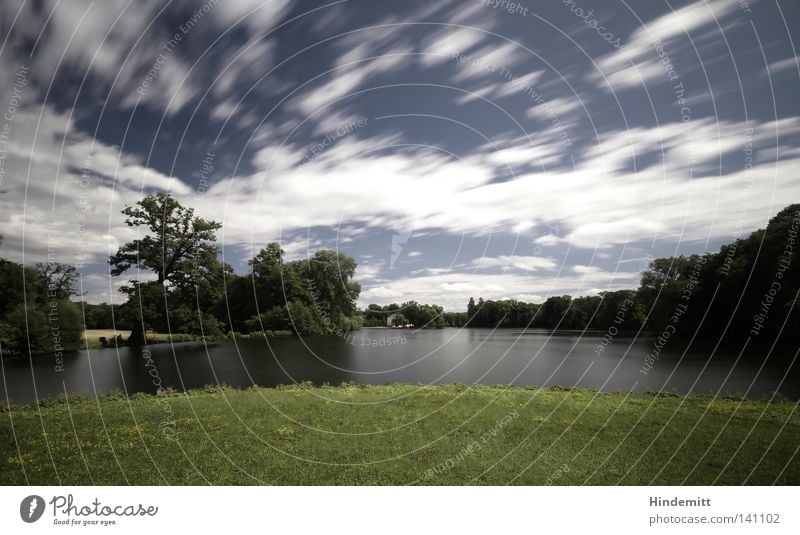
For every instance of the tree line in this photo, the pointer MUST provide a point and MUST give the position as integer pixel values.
(746, 290)
(187, 290)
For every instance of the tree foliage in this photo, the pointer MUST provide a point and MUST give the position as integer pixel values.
(177, 247)
(746, 290)
(37, 316)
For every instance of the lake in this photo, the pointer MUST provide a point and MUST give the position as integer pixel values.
(378, 356)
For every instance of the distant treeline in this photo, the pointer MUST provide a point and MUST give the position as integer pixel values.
(409, 313)
(104, 316)
(746, 290)
(561, 312)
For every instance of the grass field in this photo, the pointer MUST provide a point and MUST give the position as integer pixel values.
(92, 337)
(400, 434)
(94, 334)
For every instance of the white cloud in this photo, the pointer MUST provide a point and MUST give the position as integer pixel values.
(504, 55)
(71, 195)
(524, 263)
(520, 84)
(256, 56)
(258, 16)
(365, 54)
(586, 269)
(346, 79)
(638, 61)
(341, 85)
(522, 226)
(118, 42)
(781, 66)
(459, 287)
(367, 271)
(380, 292)
(430, 271)
(223, 109)
(453, 290)
(536, 151)
(476, 93)
(81, 32)
(547, 240)
(603, 234)
(441, 47)
(598, 204)
(558, 107)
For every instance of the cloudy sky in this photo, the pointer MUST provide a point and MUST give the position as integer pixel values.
(454, 148)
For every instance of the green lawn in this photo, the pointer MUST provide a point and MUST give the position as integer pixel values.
(400, 434)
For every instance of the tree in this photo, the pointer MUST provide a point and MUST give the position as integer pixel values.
(313, 296)
(583, 311)
(35, 319)
(103, 316)
(176, 248)
(556, 312)
(328, 279)
(375, 316)
(455, 319)
(619, 309)
(59, 279)
(11, 284)
(400, 320)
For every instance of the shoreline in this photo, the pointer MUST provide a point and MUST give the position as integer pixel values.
(212, 389)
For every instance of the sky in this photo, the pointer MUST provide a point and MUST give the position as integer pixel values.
(455, 149)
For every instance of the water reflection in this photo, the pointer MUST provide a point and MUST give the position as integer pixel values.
(378, 356)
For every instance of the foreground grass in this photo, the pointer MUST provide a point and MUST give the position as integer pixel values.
(400, 434)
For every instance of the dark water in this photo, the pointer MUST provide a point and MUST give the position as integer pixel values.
(379, 356)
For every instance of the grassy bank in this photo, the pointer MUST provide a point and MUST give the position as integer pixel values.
(400, 434)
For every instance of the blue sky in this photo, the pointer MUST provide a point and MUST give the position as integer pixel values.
(455, 149)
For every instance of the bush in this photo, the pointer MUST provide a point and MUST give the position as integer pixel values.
(21, 339)
(70, 325)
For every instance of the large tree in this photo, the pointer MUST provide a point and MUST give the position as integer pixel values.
(177, 247)
(328, 278)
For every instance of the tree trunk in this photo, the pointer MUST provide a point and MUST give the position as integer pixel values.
(137, 337)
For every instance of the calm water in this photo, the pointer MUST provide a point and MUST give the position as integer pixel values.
(378, 356)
